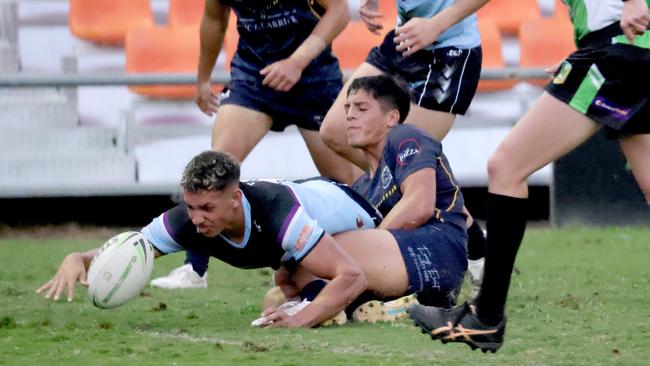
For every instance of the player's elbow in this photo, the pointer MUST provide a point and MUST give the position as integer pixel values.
(357, 282)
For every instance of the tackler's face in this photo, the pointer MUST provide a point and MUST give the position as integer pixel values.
(367, 122)
(212, 212)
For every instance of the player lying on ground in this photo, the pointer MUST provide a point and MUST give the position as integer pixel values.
(282, 73)
(604, 84)
(253, 225)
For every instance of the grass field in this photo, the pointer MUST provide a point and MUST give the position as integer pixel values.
(581, 298)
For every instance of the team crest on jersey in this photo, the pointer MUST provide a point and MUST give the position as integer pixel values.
(386, 177)
(407, 150)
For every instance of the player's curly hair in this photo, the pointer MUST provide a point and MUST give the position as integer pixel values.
(390, 92)
(210, 171)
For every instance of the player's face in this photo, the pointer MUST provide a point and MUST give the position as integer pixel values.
(368, 124)
(212, 212)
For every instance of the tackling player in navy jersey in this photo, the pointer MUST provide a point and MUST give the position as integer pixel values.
(420, 246)
(435, 47)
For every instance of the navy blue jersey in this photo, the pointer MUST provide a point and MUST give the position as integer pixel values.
(270, 31)
(408, 150)
(283, 222)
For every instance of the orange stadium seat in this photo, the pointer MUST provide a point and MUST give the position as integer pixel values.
(544, 43)
(160, 50)
(492, 46)
(510, 14)
(561, 10)
(353, 45)
(184, 13)
(107, 21)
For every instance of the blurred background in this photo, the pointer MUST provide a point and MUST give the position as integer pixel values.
(113, 153)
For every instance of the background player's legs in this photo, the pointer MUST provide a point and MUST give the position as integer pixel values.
(334, 125)
(549, 130)
(637, 151)
(329, 163)
(436, 123)
(237, 130)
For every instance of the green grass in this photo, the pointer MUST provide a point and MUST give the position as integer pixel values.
(581, 299)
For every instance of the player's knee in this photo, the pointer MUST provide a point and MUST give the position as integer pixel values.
(332, 137)
(499, 171)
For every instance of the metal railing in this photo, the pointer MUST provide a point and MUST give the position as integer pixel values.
(32, 79)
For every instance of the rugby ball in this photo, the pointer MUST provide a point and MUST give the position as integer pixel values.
(120, 270)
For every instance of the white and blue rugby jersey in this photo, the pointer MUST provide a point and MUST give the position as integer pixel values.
(463, 34)
(284, 221)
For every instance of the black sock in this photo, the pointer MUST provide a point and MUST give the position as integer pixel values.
(506, 223)
(312, 289)
(198, 261)
(475, 242)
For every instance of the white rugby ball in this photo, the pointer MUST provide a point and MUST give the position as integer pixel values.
(120, 270)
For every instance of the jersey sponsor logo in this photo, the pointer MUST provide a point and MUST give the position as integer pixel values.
(615, 111)
(454, 52)
(257, 226)
(408, 149)
(224, 95)
(386, 177)
(563, 73)
(304, 235)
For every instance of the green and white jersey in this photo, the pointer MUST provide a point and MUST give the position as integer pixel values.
(591, 15)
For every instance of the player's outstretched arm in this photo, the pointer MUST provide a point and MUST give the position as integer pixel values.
(328, 261)
(73, 269)
(284, 74)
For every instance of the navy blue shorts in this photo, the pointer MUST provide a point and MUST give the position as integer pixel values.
(305, 105)
(435, 256)
(444, 79)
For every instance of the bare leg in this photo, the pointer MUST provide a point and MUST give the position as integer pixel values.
(378, 255)
(435, 123)
(547, 132)
(637, 151)
(329, 163)
(237, 130)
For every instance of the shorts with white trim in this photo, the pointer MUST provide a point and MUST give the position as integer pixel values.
(443, 79)
(609, 83)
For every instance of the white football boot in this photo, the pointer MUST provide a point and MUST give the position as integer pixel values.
(180, 278)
